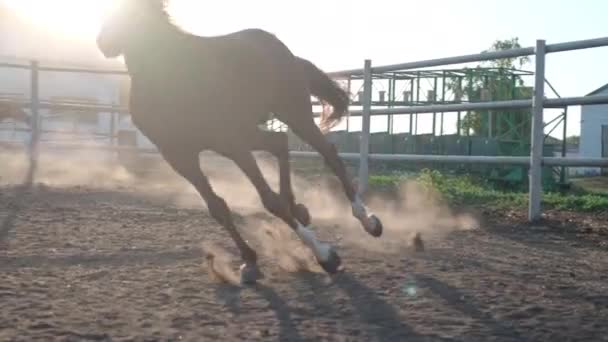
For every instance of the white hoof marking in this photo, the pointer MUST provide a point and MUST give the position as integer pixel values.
(320, 249)
(360, 211)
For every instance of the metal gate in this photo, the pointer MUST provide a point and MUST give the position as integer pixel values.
(605, 147)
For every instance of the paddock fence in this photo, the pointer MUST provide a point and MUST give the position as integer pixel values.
(535, 161)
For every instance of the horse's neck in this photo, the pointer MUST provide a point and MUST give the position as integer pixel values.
(153, 52)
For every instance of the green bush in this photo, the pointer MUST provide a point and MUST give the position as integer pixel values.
(472, 191)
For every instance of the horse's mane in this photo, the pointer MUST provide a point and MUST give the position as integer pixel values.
(160, 9)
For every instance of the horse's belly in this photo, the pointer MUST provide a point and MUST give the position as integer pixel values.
(164, 127)
(196, 114)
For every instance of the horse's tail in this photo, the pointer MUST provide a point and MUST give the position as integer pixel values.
(327, 91)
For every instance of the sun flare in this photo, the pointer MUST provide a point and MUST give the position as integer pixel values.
(81, 19)
(69, 18)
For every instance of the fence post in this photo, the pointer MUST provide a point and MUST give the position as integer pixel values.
(113, 129)
(537, 136)
(365, 127)
(34, 122)
(562, 176)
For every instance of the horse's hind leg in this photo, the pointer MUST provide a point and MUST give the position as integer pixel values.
(302, 123)
(187, 165)
(274, 203)
(276, 143)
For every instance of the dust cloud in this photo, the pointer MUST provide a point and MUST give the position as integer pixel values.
(414, 210)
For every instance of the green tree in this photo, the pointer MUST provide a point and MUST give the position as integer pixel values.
(494, 81)
(573, 140)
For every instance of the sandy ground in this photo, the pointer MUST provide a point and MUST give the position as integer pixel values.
(116, 263)
(81, 264)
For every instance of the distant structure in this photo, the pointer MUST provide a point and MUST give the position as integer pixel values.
(63, 125)
(594, 132)
(60, 87)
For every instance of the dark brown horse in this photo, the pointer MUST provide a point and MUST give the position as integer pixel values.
(191, 93)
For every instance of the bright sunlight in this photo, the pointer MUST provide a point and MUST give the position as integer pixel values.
(76, 19)
(81, 19)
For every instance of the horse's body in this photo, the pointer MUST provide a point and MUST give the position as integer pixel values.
(192, 93)
(226, 82)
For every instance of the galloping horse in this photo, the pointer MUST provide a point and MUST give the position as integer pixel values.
(182, 99)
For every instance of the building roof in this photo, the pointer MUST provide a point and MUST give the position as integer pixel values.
(598, 90)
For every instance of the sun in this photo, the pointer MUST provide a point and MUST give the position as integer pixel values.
(68, 18)
(81, 19)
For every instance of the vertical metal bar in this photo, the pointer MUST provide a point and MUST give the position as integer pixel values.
(389, 105)
(536, 151)
(485, 96)
(392, 86)
(412, 100)
(348, 86)
(35, 122)
(460, 94)
(469, 95)
(562, 176)
(113, 129)
(417, 101)
(443, 86)
(434, 102)
(458, 124)
(365, 127)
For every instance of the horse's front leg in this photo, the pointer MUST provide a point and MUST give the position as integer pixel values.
(274, 203)
(187, 165)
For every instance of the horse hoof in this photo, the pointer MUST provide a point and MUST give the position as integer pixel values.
(374, 226)
(333, 262)
(302, 214)
(250, 274)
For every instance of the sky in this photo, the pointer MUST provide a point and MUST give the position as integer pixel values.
(340, 34)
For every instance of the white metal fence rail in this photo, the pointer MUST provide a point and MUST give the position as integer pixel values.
(535, 161)
(537, 103)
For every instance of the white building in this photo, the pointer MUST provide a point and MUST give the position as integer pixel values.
(594, 131)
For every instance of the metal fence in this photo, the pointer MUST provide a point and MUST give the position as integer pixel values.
(535, 161)
(537, 103)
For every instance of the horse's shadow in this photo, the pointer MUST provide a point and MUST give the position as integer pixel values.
(288, 331)
(454, 297)
(370, 310)
(19, 206)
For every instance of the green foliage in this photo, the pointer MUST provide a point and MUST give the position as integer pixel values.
(491, 81)
(467, 190)
(385, 183)
(508, 44)
(472, 191)
(573, 140)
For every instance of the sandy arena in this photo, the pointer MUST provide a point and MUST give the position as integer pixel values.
(94, 255)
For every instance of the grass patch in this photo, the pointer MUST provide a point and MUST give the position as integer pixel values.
(471, 191)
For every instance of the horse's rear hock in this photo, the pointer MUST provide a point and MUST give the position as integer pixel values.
(308, 131)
